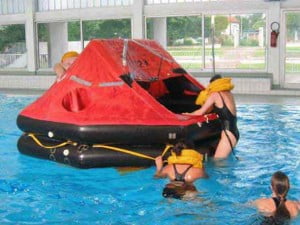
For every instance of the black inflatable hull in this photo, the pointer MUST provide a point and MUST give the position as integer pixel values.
(121, 134)
(86, 156)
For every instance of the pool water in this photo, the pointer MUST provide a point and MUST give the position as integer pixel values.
(34, 191)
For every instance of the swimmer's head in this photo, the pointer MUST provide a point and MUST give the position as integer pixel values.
(215, 77)
(180, 145)
(179, 190)
(280, 184)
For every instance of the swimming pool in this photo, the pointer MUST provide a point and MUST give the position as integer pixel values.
(34, 191)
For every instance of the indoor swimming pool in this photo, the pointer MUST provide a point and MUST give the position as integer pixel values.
(34, 191)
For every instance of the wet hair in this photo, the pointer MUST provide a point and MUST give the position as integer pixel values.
(281, 185)
(178, 189)
(180, 145)
(215, 77)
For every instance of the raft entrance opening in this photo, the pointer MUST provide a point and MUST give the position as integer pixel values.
(76, 100)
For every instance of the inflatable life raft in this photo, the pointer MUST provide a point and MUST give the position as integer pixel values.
(119, 104)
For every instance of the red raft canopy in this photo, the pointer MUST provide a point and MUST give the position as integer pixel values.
(118, 92)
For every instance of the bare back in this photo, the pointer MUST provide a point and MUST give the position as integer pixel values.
(191, 175)
(267, 207)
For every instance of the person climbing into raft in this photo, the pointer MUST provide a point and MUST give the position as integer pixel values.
(217, 98)
(183, 168)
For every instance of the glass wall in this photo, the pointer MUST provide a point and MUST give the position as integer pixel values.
(43, 37)
(74, 36)
(49, 5)
(292, 60)
(12, 6)
(13, 52)
(73, 41)
(184, 40)
(236, 41)
(47, 44)
(239, 41)
(106, 29)
(150, 2)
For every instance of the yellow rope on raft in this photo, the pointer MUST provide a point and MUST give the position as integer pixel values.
(53, 146)
(166, 149)
(124, 151)
(129, 151)
(101, 146)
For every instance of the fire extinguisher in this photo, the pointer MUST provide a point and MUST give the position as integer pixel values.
(274, 33)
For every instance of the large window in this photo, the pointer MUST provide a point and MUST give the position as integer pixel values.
(292, 60)
(239, 41)
(12, 6)
(48, 5)
(13, 52)
(56, 38)
(184, 40)
(96, 29)
(231, 41)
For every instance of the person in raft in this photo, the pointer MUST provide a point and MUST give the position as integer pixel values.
(277, 209)
(66, 61)
(183, 168)
(217, 98)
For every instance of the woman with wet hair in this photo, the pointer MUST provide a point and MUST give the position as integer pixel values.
(278, 210)
(183, 168)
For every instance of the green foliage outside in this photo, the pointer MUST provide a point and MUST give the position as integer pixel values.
(74, 31)
(11, 34)
(249, 42)
(43, 33)
(292, 68)
(184, 35)
(182, 28)
(292, 24)
(106, 29)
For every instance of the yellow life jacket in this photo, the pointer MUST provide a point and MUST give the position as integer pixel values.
(188, 156)
(222, 84)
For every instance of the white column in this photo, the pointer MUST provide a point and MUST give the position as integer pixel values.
(138, 19)
(160, 30)
(274, 53)
(58, 41)
(30, 35)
